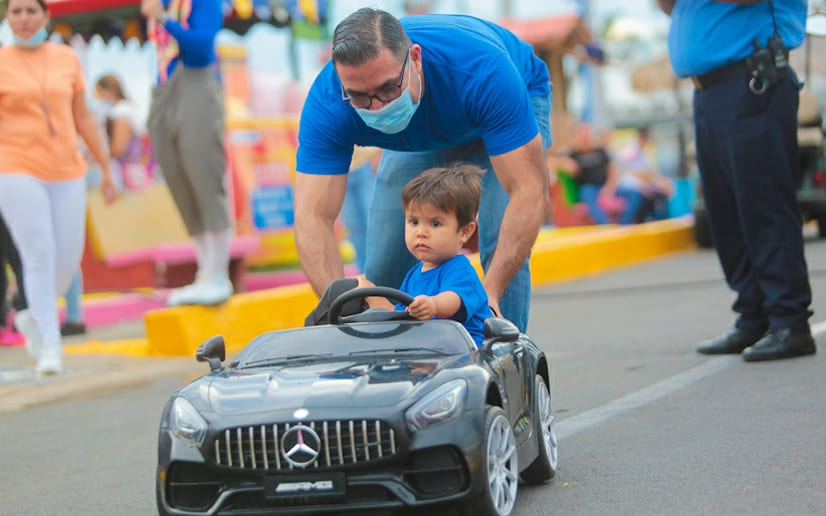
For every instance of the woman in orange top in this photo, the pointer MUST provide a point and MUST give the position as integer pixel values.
(42, 188)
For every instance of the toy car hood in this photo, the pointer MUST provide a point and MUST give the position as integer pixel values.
(320, 385)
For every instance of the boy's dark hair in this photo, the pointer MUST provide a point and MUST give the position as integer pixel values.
(456, 188)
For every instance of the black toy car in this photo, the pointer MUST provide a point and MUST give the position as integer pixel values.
(373, 411)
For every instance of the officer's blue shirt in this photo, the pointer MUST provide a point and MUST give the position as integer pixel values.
(479, 82)
(455, 275)
(706, 35)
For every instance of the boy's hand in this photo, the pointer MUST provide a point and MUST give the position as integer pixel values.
(422, 308)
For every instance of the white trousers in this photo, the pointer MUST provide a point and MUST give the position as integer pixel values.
(47, 221)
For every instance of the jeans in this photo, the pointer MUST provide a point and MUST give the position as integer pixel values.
(354, 210)
(589, 194)
(388, 259)
(633, 202)
(74, 306)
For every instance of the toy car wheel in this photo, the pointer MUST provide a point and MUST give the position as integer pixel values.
(543, 468)
(500, 468)
(161, 510)
(372, 314)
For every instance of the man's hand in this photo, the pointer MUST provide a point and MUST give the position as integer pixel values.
(422, 308)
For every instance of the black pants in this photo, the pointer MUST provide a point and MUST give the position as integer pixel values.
(8, 255)
(749, 164)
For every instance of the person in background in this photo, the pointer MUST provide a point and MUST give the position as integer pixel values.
(591, 167)
(745, 124)
(440, 207)
(186, 127)
(405, 86)
(9, 255)
(42, 186)
(124, 131)
(646, 192)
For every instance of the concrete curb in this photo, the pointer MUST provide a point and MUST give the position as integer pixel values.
(559, 255)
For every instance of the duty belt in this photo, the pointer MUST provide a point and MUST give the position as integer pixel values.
(736, 69)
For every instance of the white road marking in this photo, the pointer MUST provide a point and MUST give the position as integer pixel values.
(598, 415)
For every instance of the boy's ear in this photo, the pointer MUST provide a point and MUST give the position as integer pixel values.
(466, 231)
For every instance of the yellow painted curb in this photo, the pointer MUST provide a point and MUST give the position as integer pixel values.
(180, 330)
(577, 255)
(558, 255)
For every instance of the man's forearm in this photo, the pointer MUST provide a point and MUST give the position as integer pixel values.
(517, 234)
(319, 256)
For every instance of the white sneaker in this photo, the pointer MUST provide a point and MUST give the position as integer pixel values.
(25, 324)
(177, 296)
(50, 361)
(211, 291)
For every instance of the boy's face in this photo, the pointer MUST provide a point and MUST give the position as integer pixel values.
(433, 236)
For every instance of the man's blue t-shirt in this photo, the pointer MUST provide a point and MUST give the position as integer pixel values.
(706, 34)
(455, 275)
(479, 80)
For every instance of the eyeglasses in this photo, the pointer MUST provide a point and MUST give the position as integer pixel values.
(385, 95)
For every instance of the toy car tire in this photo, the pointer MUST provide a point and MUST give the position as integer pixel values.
(543, 468)
(500, 470)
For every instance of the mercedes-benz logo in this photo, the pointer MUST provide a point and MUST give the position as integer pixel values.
(300, 445)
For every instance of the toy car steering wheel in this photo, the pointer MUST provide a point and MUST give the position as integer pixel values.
(371, 314)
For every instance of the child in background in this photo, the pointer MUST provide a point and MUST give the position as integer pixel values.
(440, 207)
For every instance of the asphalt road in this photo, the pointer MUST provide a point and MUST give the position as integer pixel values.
(647, 426)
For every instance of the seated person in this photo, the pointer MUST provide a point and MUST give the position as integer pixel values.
(593, 172)
(440, 208)
(645, 190)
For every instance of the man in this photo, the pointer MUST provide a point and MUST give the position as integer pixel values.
(745, 108)
(430, 90)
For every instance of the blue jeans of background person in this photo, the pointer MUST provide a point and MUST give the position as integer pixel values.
(74, 306)
(354, 210)
(748, 158)
(589, 194)
(388, 259)
(633, 201)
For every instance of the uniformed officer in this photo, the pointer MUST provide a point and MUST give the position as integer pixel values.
(745, 118)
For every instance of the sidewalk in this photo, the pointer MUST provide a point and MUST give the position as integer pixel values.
(120, 355)
(86, 374)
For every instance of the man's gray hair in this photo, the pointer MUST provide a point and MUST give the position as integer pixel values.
(362, 35)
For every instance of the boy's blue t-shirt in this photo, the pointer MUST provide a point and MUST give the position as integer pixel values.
(479, 82)
(455, 275)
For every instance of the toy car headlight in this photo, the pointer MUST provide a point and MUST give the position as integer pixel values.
(443, 404)
(186, 423)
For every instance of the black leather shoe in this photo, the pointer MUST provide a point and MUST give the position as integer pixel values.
(782, 343)
(733, 342)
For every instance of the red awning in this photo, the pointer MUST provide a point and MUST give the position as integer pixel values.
(59, 8)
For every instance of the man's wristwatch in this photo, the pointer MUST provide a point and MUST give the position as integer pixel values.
(163, 18)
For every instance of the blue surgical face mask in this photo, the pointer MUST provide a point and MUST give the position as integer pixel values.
(36, 39)
(393, 117)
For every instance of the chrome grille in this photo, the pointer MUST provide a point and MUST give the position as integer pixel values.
(342, 443)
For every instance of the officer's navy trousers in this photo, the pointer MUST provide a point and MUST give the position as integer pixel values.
(749, 165)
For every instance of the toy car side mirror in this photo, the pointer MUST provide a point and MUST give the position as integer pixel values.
(497, 329)
(213, 351)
